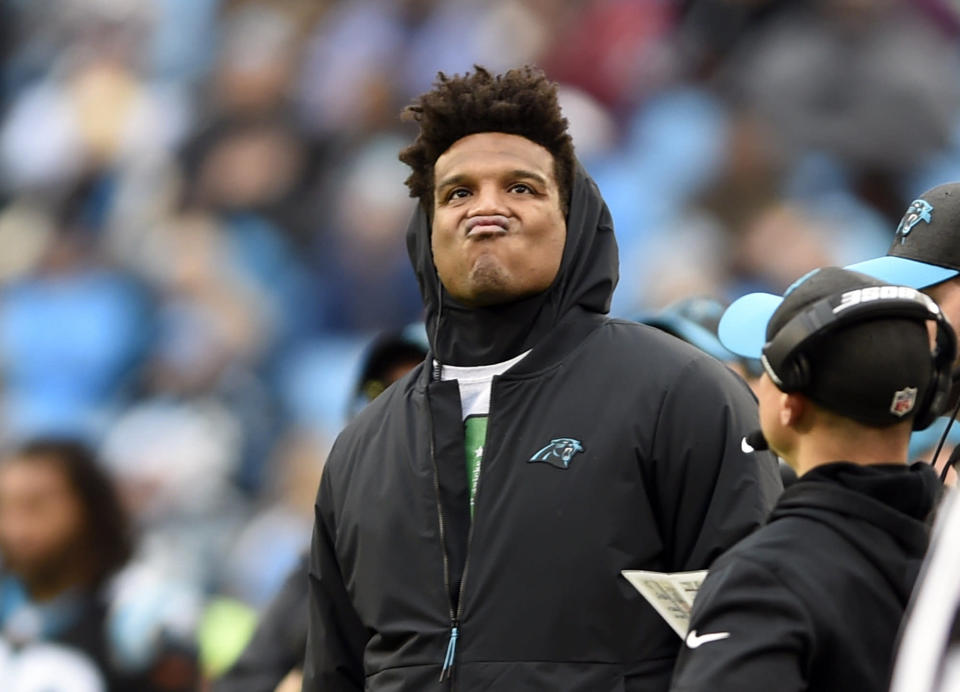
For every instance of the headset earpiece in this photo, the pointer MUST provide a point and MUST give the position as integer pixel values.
(937, 397)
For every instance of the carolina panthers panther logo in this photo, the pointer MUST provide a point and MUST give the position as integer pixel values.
(919, 210)
(559, 452)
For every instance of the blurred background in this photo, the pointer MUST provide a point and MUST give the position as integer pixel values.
(202, 217)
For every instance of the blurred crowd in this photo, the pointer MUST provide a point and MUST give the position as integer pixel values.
(202, 221)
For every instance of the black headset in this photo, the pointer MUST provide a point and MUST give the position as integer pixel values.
(787, 365)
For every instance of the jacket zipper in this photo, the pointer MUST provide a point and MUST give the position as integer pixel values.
(454, 624)
(446, 672)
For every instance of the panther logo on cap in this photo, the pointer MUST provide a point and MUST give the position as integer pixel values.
(919, 210)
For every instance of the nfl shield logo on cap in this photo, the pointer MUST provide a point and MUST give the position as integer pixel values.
(903, 401)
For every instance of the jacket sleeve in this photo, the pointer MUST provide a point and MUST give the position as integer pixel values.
(747, 633)
(709, 492)
(336, 637)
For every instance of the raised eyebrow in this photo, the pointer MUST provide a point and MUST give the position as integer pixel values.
(529, 175)
(457, 179)
(461, 178)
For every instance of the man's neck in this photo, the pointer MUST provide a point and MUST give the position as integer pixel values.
(878, 446)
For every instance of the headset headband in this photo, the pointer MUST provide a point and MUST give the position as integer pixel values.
(845, 308)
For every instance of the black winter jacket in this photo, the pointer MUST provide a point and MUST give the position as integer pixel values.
(529, 596)
(814, 599)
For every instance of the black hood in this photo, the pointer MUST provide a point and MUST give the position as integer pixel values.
(479, 336)
(893, 503)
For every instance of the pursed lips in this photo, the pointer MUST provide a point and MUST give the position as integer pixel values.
(487, 225)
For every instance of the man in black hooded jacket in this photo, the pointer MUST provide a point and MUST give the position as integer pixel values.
(472, 523)
(814, 599)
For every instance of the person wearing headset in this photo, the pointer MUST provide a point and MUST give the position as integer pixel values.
(925, 254)
(814, 599)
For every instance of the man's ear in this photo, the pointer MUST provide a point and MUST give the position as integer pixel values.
(793, 406)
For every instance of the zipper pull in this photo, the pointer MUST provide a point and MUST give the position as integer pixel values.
(446, 672)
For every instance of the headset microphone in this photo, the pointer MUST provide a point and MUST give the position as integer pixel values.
(757, 441)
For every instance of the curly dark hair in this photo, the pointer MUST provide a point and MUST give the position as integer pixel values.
(521, 102)
(108, 534)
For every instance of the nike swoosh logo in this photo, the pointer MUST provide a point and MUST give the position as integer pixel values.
(694, 640)
(746, 446)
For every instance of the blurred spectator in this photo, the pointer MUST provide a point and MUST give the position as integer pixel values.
(90, 109)
(63, 535)
(173, 461)
(873, 83)
(708, 31)
(216, 324)
(362, 40)
(613, 49)
(367, 283)
(245, 178)
(72, 329)
(761, 257)
(387, 358)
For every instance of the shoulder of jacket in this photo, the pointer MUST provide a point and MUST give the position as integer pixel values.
(357, 433)
(764, 556)
(789, 546)
(653, 341)
(653, 349)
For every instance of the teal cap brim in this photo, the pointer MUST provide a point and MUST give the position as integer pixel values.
(743, 327)
(901, 271)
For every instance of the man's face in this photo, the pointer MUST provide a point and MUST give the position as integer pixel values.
(947, 296)
(41, 519)
(498, 232)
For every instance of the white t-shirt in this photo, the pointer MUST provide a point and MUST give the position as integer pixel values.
(475, 383)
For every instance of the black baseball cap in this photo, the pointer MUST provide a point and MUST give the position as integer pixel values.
(872, 371)
(388, 349)
(926, 246)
